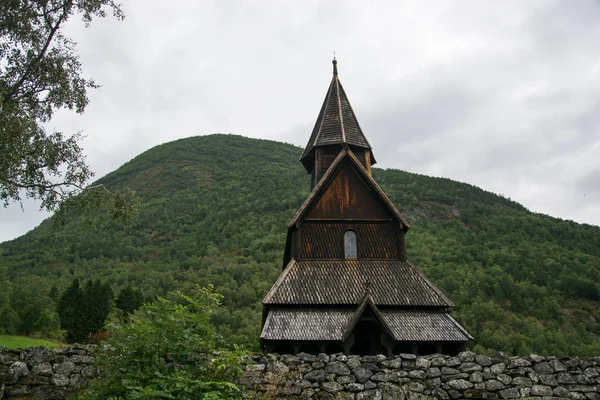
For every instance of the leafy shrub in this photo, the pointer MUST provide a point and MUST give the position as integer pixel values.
(168, 350)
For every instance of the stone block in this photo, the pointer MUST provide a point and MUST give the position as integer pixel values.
(494, 385)
(497, 368)
(548, 380)
(469, 367)
(373, 394)
(557, 366)
(354, 387)
(60, 380)
(484, 361)
(344, 379)
(519, 381)
(438, 362)
(18, 370)
(543, 368)
(466, 356)
(541, 390)
(422, 363)
(510, 393)
(362, 374)
(338, 368)
(353, 363)
(318, 375)
(519, 362)
(459, 384)
(565, 378)
(476, 377)
(452, 361)
(332, 387)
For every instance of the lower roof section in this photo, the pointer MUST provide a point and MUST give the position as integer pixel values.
(331, 325)
(306, 324)
(423, 326)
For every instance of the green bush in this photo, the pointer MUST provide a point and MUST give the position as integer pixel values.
(168, 350)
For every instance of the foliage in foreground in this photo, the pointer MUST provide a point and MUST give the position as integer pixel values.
(168, 350)
(40, 73)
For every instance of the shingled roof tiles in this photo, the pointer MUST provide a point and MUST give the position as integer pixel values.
(423, 326)
(330, 324)
(306, 324)
(329, 282)
(337, 123)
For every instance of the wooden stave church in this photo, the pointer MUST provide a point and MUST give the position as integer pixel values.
(347, 285)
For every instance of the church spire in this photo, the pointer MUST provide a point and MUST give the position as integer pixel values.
(336, 127)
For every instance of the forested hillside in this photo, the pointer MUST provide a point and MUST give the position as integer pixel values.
(215, 208)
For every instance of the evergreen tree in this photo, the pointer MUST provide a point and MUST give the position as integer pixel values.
(83, 310)
(129, 299)
(70, 313)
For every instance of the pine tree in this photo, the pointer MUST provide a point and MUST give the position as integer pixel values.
(84, 310)
(129, 299)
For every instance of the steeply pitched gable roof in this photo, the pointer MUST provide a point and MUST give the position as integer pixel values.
(337, 123)
(367, 178)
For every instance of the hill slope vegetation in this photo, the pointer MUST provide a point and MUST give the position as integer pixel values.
(215, 208)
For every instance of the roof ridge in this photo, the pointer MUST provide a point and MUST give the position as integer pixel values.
(339, 103)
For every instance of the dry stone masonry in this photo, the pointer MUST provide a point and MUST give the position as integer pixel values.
(467, 376)
(39, 373)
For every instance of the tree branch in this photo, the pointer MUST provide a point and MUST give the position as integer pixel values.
(38, 58)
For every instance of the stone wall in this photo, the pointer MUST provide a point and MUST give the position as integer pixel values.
(40, 373)
(467, 376)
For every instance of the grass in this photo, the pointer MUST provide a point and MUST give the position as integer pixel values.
(21, 342)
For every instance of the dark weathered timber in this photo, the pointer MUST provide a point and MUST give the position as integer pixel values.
(345, 158)
(324, 240)
(346, 283)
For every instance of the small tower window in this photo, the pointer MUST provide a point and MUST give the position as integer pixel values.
(350, 244)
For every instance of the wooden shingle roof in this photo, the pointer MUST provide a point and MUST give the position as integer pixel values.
(306, 324)
(413, 325)
(343, 282)
(337, 123)
(335, 324)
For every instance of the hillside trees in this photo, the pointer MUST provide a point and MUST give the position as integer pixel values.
(129, 299)
(513, 275)
(83, 310)
(40, 73)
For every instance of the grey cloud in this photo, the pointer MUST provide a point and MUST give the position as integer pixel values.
(503, 95)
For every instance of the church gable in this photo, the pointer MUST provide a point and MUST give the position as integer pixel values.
(348, 197)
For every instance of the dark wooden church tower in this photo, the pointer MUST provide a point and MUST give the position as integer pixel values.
(346, 284)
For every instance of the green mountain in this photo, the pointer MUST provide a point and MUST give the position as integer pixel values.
(215, 208)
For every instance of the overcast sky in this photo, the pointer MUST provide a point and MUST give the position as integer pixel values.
(504, 95)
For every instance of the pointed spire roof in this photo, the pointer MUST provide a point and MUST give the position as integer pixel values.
(336, 123)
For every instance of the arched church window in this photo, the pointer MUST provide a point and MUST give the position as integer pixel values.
(350, 244)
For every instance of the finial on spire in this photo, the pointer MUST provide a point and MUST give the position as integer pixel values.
(334, 65)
